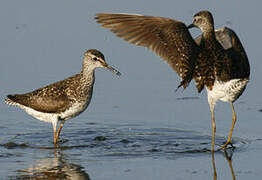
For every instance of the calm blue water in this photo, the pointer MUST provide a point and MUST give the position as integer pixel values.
(136, 125)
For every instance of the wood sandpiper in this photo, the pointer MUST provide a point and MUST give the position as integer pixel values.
(65, 99)
(216, 60)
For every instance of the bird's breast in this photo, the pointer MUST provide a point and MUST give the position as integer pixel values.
(74, 110)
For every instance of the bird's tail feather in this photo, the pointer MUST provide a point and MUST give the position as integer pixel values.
(10, 100)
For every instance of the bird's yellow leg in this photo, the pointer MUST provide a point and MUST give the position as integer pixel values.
(213, 129)
(59, 130)
(232, 128)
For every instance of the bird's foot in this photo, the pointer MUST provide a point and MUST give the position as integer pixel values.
(60, 141)
(224, 147)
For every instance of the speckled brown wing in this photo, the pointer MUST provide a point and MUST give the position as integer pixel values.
(50, 99)
(240, 67)
(170, 39)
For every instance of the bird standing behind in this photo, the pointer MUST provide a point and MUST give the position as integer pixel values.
(216, 60)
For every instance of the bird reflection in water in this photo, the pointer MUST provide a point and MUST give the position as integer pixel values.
(56, 167)
(228, 155)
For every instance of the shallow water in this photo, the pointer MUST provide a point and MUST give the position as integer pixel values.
(137, 126)
(122, 142)
(31, 154)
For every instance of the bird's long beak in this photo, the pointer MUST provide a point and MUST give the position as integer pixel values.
(110, 68)
(191, 26)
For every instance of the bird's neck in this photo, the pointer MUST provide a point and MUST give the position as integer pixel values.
(209, 32)
(210, 38)
(85, 88)
(88, 69)
(87, 75)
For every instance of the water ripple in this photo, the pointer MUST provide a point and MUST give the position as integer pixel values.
(124, 142)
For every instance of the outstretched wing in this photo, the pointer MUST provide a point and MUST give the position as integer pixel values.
(231, 43)
(170, 39)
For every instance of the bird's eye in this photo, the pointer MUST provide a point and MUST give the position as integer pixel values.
(194, 20)
(94, 58)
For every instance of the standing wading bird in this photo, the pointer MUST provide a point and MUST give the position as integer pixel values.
(64, 99)
(216, 60)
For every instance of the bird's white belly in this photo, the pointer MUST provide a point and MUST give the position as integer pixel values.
(226, 91)
(46, 117)
(73, 111)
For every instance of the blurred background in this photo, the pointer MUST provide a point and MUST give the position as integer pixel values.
(42, 42)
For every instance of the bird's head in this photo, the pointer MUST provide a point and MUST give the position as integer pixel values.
(94, 58)
(203, 20)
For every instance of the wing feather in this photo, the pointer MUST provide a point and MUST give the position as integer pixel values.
(168, 38)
